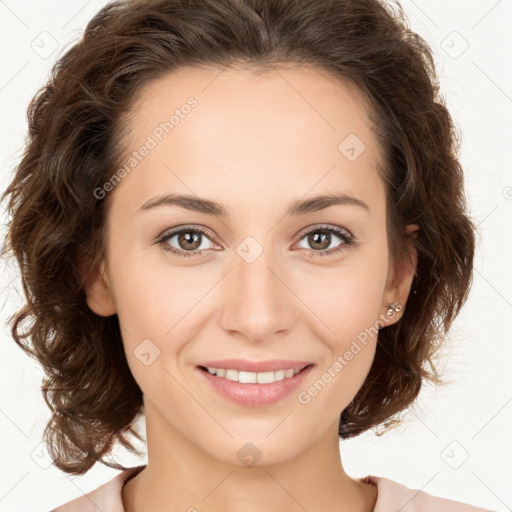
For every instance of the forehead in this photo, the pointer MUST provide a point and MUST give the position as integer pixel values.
(286, 129)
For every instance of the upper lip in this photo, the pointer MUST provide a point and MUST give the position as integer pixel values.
(244, 365)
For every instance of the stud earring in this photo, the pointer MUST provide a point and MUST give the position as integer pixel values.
(393, 308)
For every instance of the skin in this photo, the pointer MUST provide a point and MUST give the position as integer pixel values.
(254, 144)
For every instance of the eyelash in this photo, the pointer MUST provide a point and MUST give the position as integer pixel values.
(347, 238)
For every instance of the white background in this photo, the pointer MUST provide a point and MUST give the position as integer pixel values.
(468, 418)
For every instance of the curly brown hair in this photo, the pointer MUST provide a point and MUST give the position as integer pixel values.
(75, 143)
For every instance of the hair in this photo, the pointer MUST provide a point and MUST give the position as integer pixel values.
(75, 141)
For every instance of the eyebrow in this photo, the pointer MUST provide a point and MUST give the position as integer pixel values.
(208, 207)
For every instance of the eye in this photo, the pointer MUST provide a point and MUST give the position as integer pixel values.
(321, 238)
(189, 241)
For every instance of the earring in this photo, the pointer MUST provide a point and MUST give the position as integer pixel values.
(393, 308)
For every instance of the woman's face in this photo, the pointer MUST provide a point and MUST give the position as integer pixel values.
(255, 285)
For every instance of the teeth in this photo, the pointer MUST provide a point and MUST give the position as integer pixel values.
(252, 377)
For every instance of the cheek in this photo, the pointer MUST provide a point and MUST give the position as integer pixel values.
(347, 299)
(158, 307)
(152, 296)
(348, 303)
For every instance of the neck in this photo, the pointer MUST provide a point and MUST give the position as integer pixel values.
(181, 476)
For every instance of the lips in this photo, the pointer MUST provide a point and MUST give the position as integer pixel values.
(244, 365)
(251, 394)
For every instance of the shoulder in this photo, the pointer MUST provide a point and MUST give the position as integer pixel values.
(106, 498)
(393, 497)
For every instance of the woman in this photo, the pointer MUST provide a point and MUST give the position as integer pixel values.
(187, 164)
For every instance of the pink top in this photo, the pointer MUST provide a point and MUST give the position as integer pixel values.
(391, 497)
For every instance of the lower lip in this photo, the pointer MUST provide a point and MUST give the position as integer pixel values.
(255, 395)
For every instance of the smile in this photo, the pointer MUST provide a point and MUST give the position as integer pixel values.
(253, 389)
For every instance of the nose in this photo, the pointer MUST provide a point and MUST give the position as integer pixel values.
(257, 301)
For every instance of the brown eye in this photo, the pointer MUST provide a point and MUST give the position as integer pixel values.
(320, 239)
(185, 242)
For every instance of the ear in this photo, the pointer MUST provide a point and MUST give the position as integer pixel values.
(98, 292)
(400, 278)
